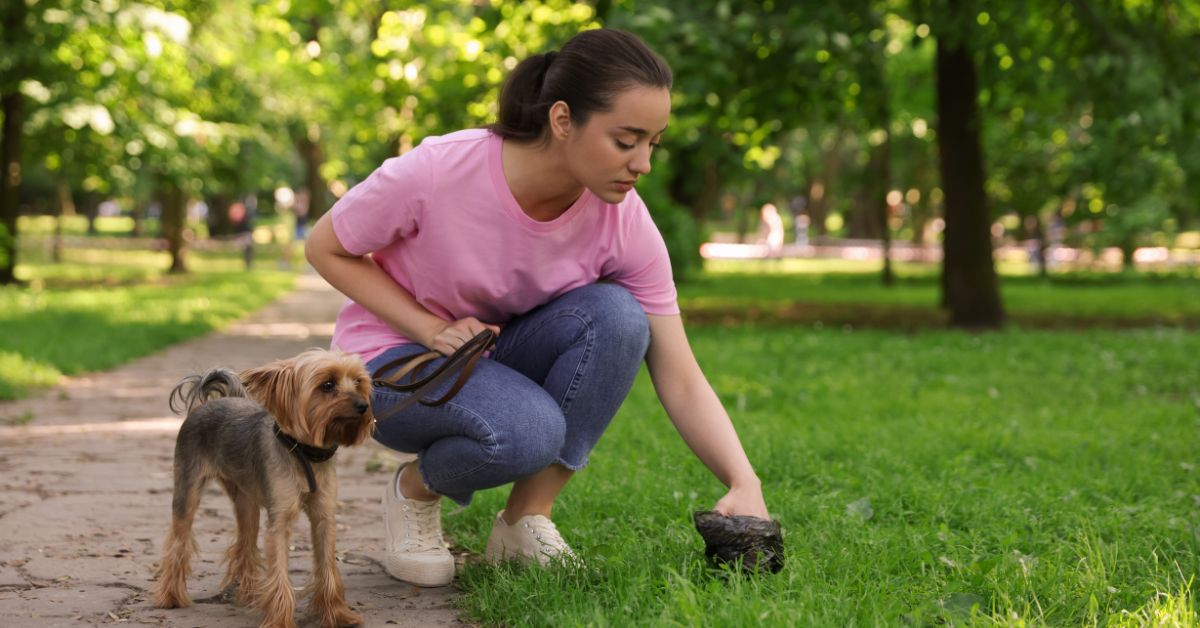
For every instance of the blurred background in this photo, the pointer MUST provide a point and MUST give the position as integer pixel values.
(851, 193)
(929, 145)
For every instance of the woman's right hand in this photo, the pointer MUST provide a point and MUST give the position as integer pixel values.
(449, 336)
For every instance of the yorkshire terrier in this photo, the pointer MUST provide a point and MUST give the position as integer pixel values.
(268, 435)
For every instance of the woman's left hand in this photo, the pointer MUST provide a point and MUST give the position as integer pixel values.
(743, 501)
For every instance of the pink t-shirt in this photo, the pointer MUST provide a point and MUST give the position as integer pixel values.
(442, 222)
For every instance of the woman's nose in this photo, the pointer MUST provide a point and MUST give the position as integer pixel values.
(641, 162)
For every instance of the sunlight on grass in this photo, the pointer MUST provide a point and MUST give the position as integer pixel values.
(74, 318)
(1165, 610)
(18, 374)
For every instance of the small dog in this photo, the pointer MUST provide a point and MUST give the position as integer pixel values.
(277, 456)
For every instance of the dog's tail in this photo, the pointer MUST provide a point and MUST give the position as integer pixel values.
(194, 391)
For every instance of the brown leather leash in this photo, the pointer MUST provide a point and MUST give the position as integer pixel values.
(463, 359)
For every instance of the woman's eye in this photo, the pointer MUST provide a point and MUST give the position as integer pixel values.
(624, 145)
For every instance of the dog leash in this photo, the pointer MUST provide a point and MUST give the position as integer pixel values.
(463, 359)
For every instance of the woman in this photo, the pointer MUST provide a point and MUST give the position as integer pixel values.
(509, 228)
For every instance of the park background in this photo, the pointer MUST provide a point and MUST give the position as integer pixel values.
(967, 376)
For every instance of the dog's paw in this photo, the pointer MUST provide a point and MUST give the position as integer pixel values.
(247, 593)
(171, 598)
(337, 616)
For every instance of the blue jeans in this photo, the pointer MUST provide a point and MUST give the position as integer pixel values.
(545, 395)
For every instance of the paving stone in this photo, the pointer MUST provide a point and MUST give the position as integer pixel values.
(91, 570)
(71, 601)
(10, 577)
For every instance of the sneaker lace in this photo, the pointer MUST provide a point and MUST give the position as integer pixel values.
(424, 526)
(547, 534)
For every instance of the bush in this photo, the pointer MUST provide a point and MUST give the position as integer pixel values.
(674, 221)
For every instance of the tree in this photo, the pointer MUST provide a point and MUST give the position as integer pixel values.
(969, 283)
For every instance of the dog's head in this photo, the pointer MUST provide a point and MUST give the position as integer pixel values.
(319, 397)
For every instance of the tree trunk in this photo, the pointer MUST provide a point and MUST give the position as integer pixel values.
(13, 105)
(221, 224)
(818, 192)
(313, 157)
(872, 198)
(139, 219)
(174, 222)
(864, 219)
(1038, 233)
(1128, 246)
(66, 207)
(710, 191)
(91, 208)
(969, 284)
(881, 173)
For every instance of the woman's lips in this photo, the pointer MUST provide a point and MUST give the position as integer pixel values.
(625, 186)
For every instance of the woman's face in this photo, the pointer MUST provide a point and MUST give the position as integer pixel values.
(612, 150)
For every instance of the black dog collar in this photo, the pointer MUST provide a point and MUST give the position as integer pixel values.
(306, 454)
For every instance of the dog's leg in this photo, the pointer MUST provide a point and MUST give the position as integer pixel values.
(276, 600)
(171, 589)
(244, 562)
(328, 604)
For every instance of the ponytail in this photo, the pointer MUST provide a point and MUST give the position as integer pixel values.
(589, 72)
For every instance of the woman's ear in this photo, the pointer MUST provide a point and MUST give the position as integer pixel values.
(274, 387)
(560, 120)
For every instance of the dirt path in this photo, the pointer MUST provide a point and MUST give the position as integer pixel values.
(85, 493)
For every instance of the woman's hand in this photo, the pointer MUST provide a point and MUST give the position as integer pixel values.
(743, 501)
(449, 336)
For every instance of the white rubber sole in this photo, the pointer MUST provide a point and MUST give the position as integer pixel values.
(419, 573)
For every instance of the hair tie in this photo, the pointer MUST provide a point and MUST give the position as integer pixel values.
(549, 58)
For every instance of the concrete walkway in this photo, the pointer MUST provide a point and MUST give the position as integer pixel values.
(85, 493)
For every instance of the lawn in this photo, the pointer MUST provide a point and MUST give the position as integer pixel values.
(1041, 478)
(752, 292)
(73, 318)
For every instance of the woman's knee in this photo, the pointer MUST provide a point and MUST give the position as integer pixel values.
(615, 315)
(530, 444)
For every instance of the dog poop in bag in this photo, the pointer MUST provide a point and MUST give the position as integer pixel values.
(755, 543)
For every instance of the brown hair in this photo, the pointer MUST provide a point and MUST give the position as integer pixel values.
(587, 74)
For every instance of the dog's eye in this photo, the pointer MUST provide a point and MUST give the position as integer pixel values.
(329, 386)
(357, 382)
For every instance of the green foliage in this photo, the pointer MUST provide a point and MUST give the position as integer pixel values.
(674, 221)
(1085, 105)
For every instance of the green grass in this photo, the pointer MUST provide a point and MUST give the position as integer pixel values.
(73, 318)
(1072, 299)
(1044, 478)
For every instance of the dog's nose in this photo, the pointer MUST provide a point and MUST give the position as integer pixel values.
(361, 406)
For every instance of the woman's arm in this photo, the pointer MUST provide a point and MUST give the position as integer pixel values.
(697, 413)
(364, 282)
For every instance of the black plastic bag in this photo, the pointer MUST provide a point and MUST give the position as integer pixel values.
(753, 542)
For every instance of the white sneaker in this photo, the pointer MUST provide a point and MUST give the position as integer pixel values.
(532, 537)
(415, 550)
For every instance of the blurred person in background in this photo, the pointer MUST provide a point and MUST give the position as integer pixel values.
(772, 225)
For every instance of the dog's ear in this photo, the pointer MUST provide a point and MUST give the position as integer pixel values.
(274, 387)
